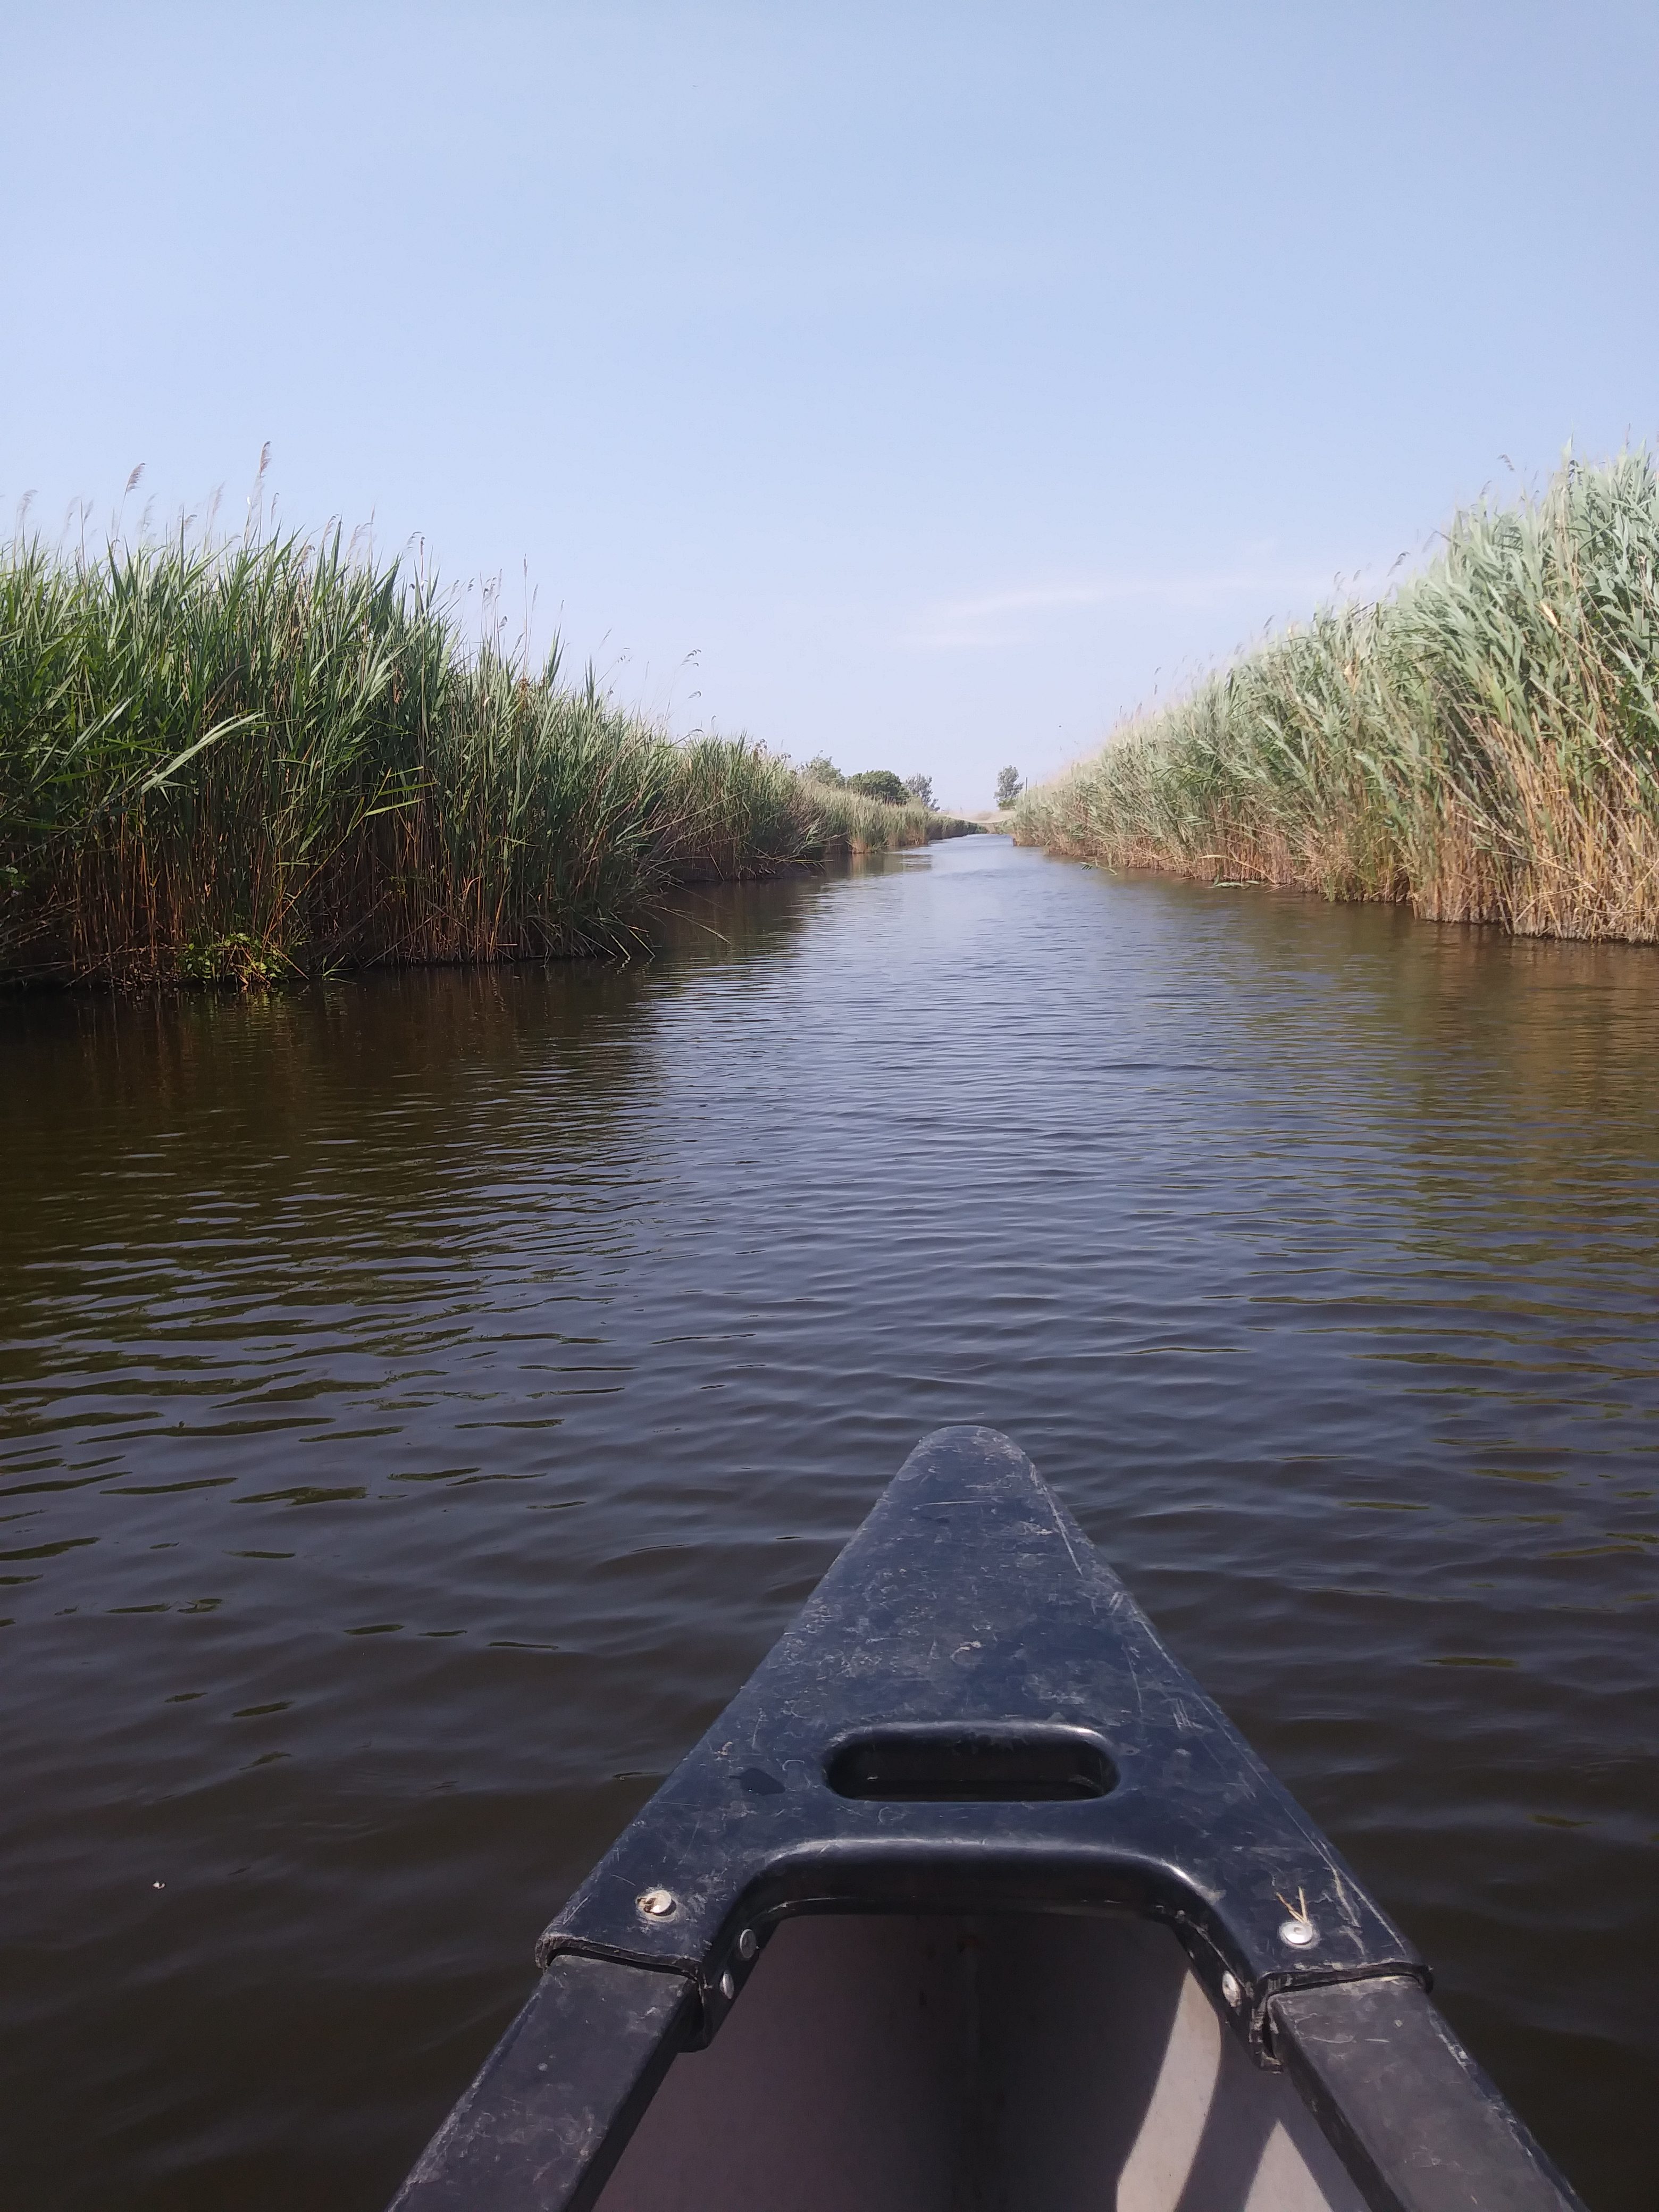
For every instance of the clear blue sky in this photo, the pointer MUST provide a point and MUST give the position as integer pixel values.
(942, 377)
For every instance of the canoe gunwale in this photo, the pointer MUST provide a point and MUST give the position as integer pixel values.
(1412, 2118)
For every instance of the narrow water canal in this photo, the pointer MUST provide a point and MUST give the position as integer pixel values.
(426, 1398)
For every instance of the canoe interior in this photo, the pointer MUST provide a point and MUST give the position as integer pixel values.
(1020, 2063)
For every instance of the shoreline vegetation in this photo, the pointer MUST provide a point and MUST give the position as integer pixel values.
(272, 759)
(1481, 744)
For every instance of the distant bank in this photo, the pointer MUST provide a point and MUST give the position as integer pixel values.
(1482, 745)
(272, 759)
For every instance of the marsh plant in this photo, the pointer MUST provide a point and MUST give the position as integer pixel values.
(1483, 744)
(244, 762)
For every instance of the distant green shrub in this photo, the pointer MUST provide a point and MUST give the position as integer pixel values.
(881, 783)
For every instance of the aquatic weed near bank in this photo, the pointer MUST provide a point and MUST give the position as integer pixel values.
(247, 762)
(1483, 744)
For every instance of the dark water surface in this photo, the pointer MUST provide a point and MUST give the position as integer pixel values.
(426, 1399)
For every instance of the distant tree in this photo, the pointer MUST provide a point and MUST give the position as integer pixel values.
(880, 783)
(822, 769)
(1009, 786)
(921, 788)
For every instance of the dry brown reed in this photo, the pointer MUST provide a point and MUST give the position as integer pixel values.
(1482, 745)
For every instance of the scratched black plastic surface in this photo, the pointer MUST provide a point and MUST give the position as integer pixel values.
(970, 1602)
(1416, 2123)
(555, 2103)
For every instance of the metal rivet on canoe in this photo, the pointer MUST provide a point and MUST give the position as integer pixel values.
(657, 1903)
(1298, 1932)
(747, 1944)
(728, 1986)
(1230, 1988)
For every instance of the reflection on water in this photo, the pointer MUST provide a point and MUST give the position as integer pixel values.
(427, 1398)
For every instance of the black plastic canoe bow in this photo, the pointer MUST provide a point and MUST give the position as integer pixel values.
(972, 1715)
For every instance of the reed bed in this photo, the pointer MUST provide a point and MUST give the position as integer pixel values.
(242, 762)
(1482, 744)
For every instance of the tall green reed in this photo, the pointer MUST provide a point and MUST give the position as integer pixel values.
(1482, 744)
(241, 759)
